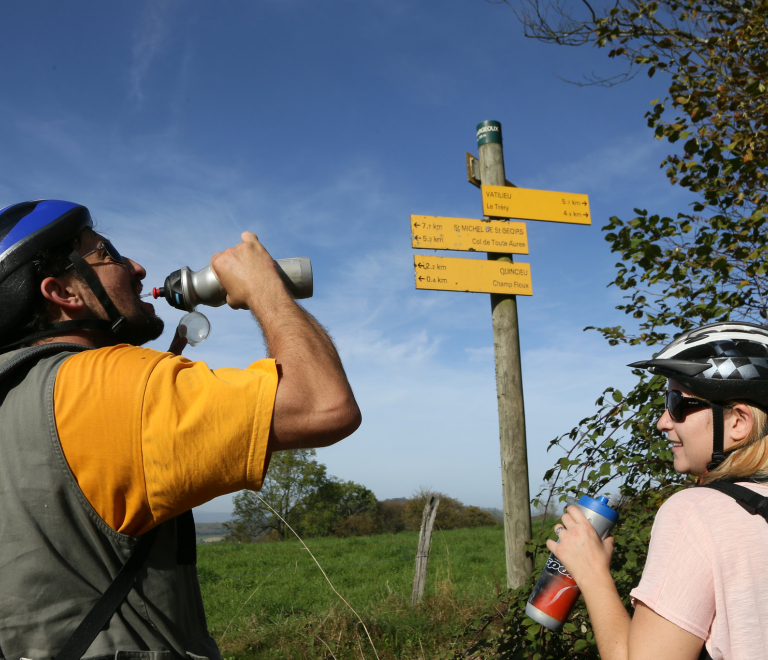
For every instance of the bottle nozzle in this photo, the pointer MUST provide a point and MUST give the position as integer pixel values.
(158, 293)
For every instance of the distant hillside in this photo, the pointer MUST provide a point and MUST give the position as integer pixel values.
(209, 532)
(212, 516)
(496, 513)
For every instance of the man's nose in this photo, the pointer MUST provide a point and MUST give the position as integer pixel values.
(137, 270)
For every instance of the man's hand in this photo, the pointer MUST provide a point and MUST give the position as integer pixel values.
(249, 275)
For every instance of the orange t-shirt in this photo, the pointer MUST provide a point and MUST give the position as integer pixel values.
(149, 435)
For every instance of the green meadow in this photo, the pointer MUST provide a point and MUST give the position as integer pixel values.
(270, 600)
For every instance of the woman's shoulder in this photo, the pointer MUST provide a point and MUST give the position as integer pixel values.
(691, 501)
(700, 499)
(688, 497)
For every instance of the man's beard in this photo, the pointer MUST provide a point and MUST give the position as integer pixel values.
(140, 327)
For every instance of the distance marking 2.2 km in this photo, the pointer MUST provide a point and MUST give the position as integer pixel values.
(471, 275)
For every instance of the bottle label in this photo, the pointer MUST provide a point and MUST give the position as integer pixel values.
(555, 592)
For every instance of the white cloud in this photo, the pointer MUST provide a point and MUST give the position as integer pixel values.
(147, 44)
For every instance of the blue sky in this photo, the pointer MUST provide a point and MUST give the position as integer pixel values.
(322, 127)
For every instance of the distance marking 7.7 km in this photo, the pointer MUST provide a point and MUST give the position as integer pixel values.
(437, 233)
(475, 275)
(527, 204)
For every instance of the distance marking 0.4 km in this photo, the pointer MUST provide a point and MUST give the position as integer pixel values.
(527, 204)
(438, 233)
(472, 275)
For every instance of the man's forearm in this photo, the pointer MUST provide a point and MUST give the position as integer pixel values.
(314, 405)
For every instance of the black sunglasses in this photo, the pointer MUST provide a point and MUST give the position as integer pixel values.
(110, 249)
(677, 404)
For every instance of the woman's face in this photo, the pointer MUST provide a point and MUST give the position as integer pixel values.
(691, 439)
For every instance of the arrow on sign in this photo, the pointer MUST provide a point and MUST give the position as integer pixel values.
(416, 224)
(421, 277)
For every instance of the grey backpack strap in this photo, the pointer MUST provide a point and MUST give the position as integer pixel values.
(36, 352)
(28, 357)
(110, 600)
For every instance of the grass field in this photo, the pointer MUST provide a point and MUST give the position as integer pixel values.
(269, 600)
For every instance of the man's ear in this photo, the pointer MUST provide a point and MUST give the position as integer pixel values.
(740, 421)
(61, 295)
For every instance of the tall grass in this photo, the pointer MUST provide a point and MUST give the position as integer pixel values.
(269, 600)
(294, 614)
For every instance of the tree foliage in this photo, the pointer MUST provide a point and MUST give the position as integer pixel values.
(316, 504)
(299, 488)
(323, 512)
(706, 264)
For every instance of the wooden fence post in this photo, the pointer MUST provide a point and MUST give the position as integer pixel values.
(422, 553)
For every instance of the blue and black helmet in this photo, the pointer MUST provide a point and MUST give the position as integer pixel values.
(26, 229)
(29, 227)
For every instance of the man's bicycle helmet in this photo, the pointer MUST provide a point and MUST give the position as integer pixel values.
(718, 362)
(25, 230)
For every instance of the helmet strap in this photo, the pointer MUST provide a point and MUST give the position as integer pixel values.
(114, 325)
(81, 266)
(718, 452)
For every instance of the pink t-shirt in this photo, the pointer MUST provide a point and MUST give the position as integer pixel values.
(707, 572)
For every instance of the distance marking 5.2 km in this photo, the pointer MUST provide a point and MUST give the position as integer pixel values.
(466, 234)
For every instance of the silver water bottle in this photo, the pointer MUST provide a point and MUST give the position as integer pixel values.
(186, 289)
(556, 592)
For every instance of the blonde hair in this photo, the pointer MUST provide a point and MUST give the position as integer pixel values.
(750, 457)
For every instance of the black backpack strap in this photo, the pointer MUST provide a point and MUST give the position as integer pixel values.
(186, 539)
(110, 600)
(750, 500)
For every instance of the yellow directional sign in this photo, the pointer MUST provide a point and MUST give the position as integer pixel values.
(477, 275)
(526, 204)
(437, 233)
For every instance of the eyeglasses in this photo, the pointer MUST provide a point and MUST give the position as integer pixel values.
(110, 249)
(677, 404)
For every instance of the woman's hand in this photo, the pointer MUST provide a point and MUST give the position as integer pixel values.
(580, 549)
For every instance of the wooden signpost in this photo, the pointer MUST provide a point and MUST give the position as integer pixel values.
(504, 280)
